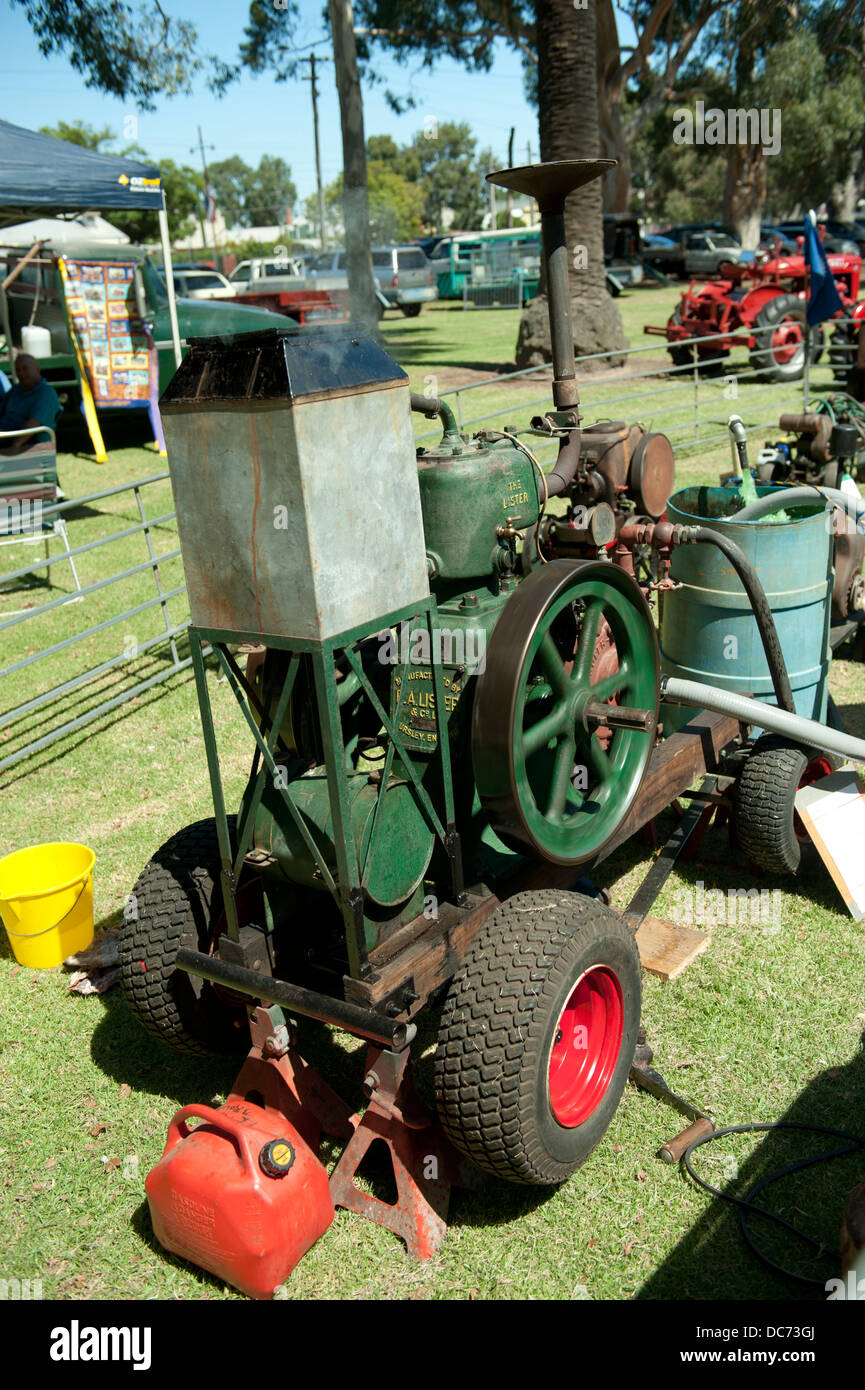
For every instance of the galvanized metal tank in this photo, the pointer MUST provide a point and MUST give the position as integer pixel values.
(294, 474)
(708, 632)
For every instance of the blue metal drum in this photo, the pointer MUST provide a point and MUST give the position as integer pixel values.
(708, 632)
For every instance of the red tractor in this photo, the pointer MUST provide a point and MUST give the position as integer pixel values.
(762, 304)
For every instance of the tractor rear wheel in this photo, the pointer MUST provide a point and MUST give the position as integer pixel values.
(779, 339)
(537, 1036)
(177, 901)
(766, 824)
(680, 355)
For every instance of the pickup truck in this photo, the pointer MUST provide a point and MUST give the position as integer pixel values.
(267, 274)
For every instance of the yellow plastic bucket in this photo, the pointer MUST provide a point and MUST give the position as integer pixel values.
(46, 902)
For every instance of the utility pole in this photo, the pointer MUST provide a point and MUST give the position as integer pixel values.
(509, 204)
(207, 196)
(312, 60)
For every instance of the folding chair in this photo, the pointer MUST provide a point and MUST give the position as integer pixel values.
(28, 483)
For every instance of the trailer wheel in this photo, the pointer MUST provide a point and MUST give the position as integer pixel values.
(766, 824)
(537, 1036)
(779, 339)
(177, 901)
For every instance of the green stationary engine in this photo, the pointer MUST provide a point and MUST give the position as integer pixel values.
(444, 681)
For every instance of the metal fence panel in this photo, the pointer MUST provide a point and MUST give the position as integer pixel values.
(683, 401)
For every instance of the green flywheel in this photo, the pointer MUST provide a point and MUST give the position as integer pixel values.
(560, 739)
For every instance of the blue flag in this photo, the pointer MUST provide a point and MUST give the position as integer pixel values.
(823, 297)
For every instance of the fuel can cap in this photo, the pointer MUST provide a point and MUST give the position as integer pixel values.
(276, 1158)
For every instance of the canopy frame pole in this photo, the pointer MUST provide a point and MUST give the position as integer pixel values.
(169, 283)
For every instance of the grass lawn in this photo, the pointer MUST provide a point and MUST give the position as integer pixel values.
(767, 1024)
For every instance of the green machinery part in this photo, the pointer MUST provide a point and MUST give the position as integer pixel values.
(558, 760)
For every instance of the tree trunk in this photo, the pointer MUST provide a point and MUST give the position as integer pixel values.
(568, 120)
(361, 285)
(745, 192)
(845, 193)
(614, 144)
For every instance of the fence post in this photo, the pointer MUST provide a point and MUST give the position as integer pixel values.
(152, 553)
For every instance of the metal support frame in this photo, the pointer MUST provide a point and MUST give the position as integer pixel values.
(347, 878)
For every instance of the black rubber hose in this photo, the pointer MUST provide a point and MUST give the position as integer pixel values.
(759, 605)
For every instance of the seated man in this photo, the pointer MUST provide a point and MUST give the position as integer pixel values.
(29, 403)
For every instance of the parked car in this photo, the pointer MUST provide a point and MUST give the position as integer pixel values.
(846, 231)
(771, 235)
(661, 252)
(706, 251)
(404, 276)
(837, 243)
(201, 284)
(437, 251)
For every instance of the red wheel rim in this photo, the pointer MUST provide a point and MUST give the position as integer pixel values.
(817, 768)
(586, 1046)
(786, 341)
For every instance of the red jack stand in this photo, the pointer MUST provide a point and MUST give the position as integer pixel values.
(424, 1164)
(278, 1080)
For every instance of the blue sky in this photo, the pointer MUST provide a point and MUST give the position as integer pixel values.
(259, 116)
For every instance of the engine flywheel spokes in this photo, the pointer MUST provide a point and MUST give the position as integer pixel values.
(548, 782)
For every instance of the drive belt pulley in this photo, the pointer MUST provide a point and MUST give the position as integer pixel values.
(549, 783)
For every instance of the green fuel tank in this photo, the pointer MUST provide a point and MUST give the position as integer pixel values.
(469, 490)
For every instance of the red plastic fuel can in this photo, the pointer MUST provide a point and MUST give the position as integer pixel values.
(242, 1195)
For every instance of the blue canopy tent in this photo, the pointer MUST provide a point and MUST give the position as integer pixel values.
(40, 174)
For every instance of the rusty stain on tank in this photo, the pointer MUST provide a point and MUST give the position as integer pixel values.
(256, 470)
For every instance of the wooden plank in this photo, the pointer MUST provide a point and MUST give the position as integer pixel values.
(429, 960)
(666, 948)
(429, 953)
(833, 811)
(676, 764)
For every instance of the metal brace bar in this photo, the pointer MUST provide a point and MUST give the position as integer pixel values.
(642, 901)
(229, 882)
(423, 795)
(244, 832)
(300, 823)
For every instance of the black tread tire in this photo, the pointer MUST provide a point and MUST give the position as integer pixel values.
(496, 1032)
(411, 311)
(782, 306)
(679, 356)
(765, 800)
(176, 902)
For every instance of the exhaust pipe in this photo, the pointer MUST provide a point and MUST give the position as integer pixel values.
(549, 184)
